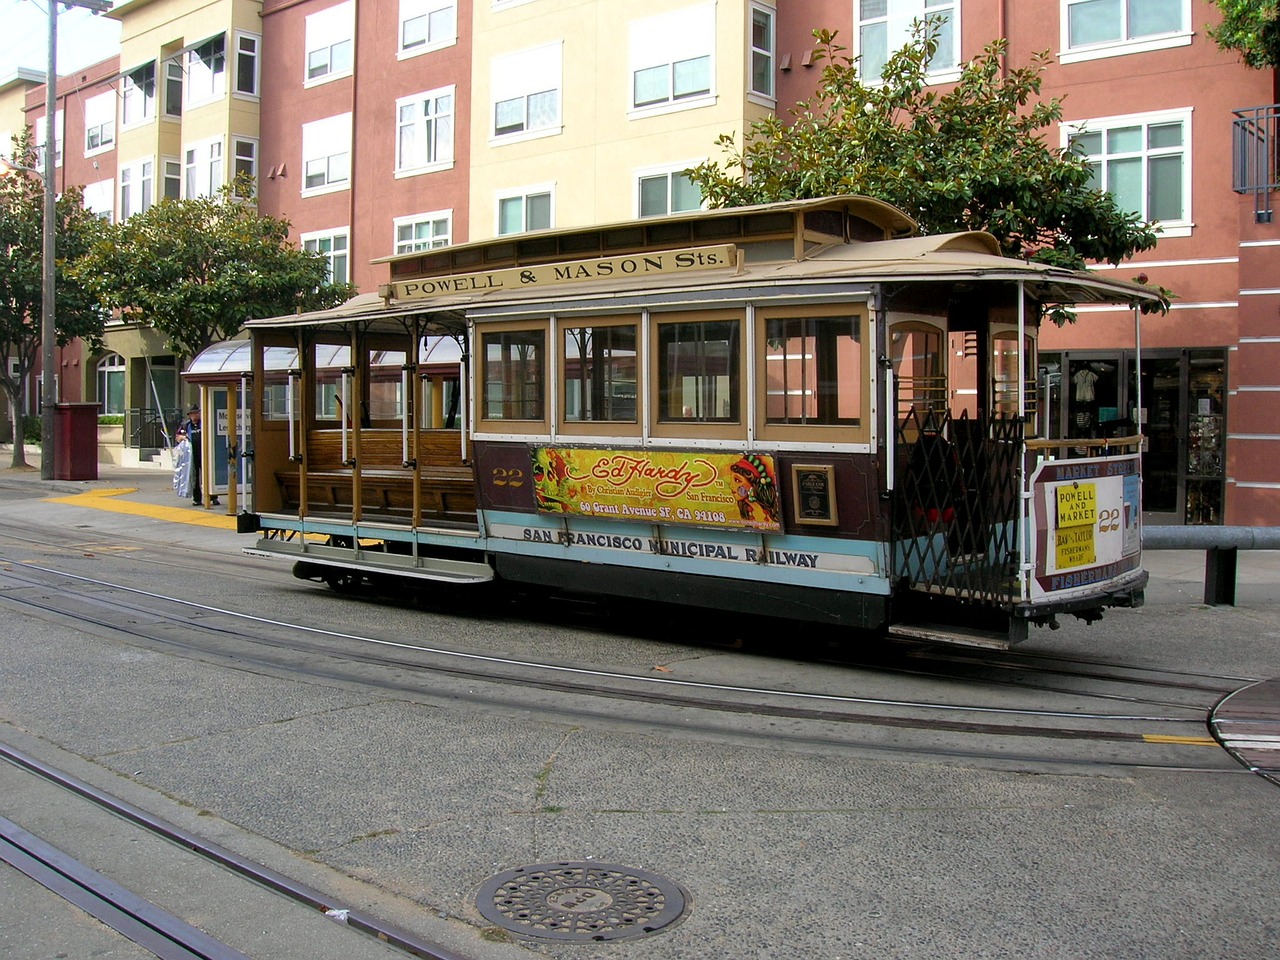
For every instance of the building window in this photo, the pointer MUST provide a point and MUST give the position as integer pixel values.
(427, 25)
(326, 155)
(202, 167)
(111, 371)
(514, 371)
(526, 92)
(1101, 23)
(207, 71)
(42, 139)
(884, 28)
(667, 192)
(332, 245)
(1143, 162)
(672, 58)
(526, 211)
(99, 198)
(424, 131)
(138, 95)
(99, 123)
(247, 48)
(762, 51)
(698, 371)
(813, 370)
(173, 85)
(330, 43)
(424, 231)
(172, 187)
(136, 188)
(245, 158)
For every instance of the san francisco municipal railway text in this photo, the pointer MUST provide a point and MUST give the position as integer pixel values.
(673, 548)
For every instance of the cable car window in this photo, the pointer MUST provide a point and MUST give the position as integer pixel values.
(698, 372)
(386, 384)
(813, 370)
(331, 360)
(600, 374)
(915, 350)
(514, 375)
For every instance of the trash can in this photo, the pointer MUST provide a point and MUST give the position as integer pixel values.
(75, 452)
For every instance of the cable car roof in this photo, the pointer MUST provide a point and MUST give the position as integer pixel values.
(946, 258)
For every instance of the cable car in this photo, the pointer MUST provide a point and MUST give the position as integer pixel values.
(799, 409)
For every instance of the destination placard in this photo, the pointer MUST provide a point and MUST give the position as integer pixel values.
(1077, 504)
(659, 486)
(687, 260)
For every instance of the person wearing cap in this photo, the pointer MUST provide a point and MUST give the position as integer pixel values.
(192, 429)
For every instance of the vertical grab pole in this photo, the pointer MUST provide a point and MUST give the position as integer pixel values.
(242, 431)
(1024, 495)
(344, 401)
(290, 409)
(406, 384)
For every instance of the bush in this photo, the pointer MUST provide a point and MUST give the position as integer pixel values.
(31, 432)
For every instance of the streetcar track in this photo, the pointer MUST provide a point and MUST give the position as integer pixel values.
(653, 691)
(141, 921)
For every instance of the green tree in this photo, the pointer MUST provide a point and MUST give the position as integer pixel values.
(1251, 27)
(973, 157)
(197, 269)
(22, 276)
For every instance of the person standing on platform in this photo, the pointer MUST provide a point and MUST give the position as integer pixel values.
(195, 438)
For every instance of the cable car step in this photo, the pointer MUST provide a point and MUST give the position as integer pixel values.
(952, 634)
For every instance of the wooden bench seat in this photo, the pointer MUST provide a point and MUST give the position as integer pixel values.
(446, 487)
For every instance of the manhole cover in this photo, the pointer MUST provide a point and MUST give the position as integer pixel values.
(581, 901)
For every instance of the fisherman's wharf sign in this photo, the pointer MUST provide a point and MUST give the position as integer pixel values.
(688, 260)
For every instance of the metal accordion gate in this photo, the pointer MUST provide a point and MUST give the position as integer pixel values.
(956, 506)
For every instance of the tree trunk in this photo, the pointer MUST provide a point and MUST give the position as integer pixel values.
(15, 416)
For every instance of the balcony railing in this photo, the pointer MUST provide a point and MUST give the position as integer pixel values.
(145, 428)
(1254, 138)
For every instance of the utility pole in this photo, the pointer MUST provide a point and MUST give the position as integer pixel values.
(48, 325)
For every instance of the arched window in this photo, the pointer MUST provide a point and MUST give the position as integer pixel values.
(111, 383)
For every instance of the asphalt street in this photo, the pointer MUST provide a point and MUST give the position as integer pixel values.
(408, 808)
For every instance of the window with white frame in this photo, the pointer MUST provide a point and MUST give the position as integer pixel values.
(99, 198)
(424, 131)
(42, 139)
(424, 231)
(529, 210)
(138, 95)
(762, 50)
(672, 58)
(666, 191)
(207, 71)
(203, 168)
(99, 123)
(1144, 162)
(330, 43)
(884, 27)
(333, 246)
(137, 185)
(1104, 28)
(111, 371)
(248, 48)
(171, 188)
(526, 92)
(427, 25)
(245, 159)
(174, 81)
(326, 155)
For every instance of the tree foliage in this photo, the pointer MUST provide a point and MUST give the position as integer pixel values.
(197, 269)
(76, 314)
(973, 157)
(1251, 27)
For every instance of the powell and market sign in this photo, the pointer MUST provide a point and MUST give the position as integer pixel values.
(549, 274)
